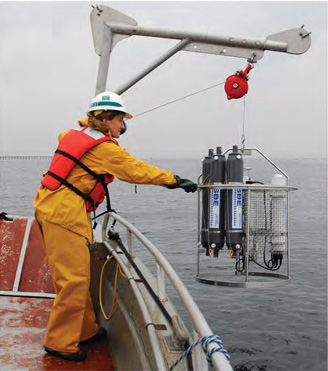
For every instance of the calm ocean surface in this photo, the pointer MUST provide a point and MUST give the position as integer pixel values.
(282, 328)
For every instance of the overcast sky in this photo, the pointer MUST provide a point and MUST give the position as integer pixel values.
(48, 71)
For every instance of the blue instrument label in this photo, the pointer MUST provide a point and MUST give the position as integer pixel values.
(215, 208)
(237, 209)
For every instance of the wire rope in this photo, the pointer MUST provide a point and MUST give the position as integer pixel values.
(179, 99)
(243, 138)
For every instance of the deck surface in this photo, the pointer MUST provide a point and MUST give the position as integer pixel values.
(23, 323)
(35, 275)
(23, 320)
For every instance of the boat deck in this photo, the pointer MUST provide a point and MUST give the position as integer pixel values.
(23, 324)
(23, 318)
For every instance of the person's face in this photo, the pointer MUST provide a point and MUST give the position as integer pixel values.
(115, 125)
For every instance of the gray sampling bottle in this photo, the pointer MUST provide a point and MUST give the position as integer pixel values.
(216, 204)
(206, 173)
(234, 211)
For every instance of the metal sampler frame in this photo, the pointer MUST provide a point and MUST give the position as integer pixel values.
(110, 26)
(227, 278)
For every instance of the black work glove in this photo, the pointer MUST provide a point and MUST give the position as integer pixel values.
(185, 184)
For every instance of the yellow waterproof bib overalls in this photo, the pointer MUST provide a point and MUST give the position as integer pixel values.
(66, 231)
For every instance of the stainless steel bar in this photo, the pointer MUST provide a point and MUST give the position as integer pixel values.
(153, 66)
(259, 187)
(104, 227)
(41, 295)
(161, 283)
(199, 322)
(126, 29)
(104, 61)
(267, 158)
(272, 163)
(130, 244)
(22, 254)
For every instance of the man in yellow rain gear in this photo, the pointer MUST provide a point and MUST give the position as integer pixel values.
(85, 162)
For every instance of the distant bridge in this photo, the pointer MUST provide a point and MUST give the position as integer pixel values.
(19, 157)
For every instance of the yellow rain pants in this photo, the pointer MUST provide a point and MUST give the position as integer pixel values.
(72, 318)
(66, 230)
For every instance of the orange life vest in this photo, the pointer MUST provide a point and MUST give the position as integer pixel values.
(68, 154)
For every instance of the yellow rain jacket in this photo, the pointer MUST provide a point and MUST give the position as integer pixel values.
(66, 208)
(66, 232)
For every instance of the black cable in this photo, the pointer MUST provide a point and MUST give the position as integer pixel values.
(274, 268)
(237, 265)
(253, 182)
(115, 236)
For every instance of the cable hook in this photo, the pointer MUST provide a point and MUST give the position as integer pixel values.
(253, 59)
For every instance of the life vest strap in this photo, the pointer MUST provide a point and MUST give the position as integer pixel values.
(70, 186)
(99, 177)
(78, 162)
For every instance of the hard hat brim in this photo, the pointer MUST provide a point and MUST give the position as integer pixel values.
(105, 108)
(128, 116)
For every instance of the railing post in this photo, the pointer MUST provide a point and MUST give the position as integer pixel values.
(130, 244)
(161, 283)
(22, 254)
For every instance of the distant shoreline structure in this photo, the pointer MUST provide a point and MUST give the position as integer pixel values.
(19, 157)
(47, 157)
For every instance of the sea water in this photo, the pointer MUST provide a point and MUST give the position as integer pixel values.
(282, 328)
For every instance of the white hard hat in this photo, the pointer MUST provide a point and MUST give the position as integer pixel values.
(109, 101)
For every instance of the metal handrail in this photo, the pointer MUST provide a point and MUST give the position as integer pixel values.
(198, 320)
(158, 355)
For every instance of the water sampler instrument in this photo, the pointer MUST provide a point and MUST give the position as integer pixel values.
(242, 224)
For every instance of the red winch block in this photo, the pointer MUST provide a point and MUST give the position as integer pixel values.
(236, 86)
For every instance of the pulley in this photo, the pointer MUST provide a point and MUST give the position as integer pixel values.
(236, 86)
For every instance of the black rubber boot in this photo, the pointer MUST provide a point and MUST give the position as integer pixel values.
(76, 357)
(100, 335)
